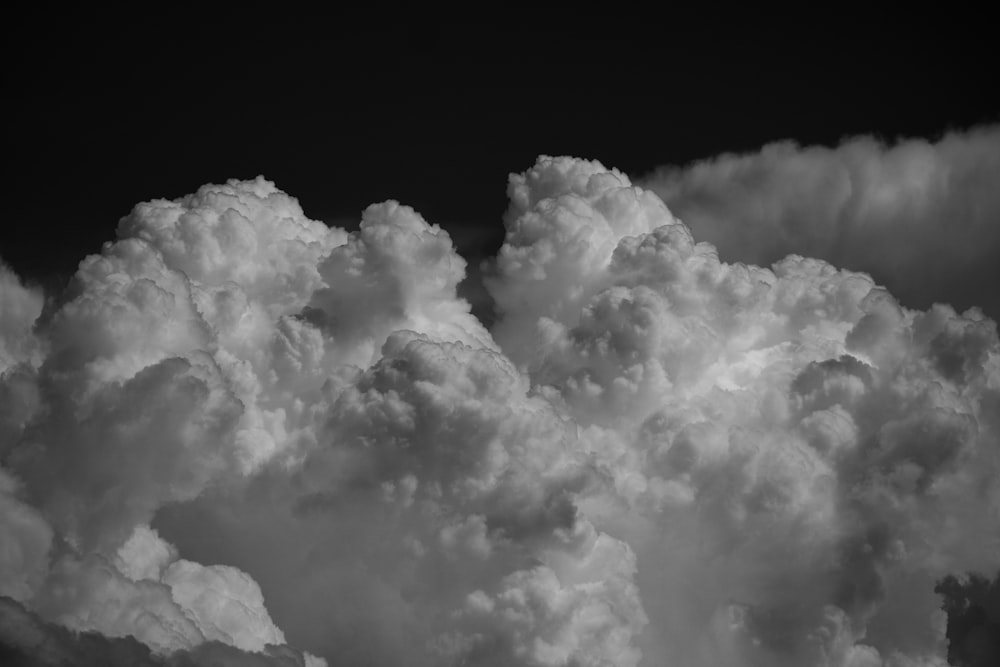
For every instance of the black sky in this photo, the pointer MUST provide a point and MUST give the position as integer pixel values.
(110, 110)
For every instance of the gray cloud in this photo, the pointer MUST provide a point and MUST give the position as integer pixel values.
(28, 641)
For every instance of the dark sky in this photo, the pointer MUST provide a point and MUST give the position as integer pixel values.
(108, 111)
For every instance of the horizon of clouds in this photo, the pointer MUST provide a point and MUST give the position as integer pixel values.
(242, 435)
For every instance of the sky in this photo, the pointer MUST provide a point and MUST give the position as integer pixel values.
(637, 342)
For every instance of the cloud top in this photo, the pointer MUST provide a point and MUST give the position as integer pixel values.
(923, 217)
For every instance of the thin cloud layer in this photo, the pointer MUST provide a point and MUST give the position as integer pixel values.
(921, 217)
(245, 438)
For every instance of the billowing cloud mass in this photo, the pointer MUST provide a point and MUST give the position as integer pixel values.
(922, 217)
(242, 437)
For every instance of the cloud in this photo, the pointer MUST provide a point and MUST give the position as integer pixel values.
(240, 431)
(27, 541)
(27, 640)
(20, 306)
(789, 451)
(145, 392)
(441, 493)
(922, 217)
(565, 218)
(395, 273)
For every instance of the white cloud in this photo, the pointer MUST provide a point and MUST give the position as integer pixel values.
(226, 604)
(662, 458)
(565, 218)
(922, 217)
(396, 272)
(791, 439)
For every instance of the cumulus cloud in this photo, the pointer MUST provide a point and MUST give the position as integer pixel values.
(922, 217)
(240, 431)
(789, 451)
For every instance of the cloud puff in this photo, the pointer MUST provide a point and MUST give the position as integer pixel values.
(241, 431)
(224, 341)
(922, 217)
(440, 494)
(152, 386)
(565, 218)
(245, 232)
(396, 272)
(791, 439)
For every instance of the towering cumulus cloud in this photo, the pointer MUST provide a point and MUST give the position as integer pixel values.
(922, 217)
(244, 438)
